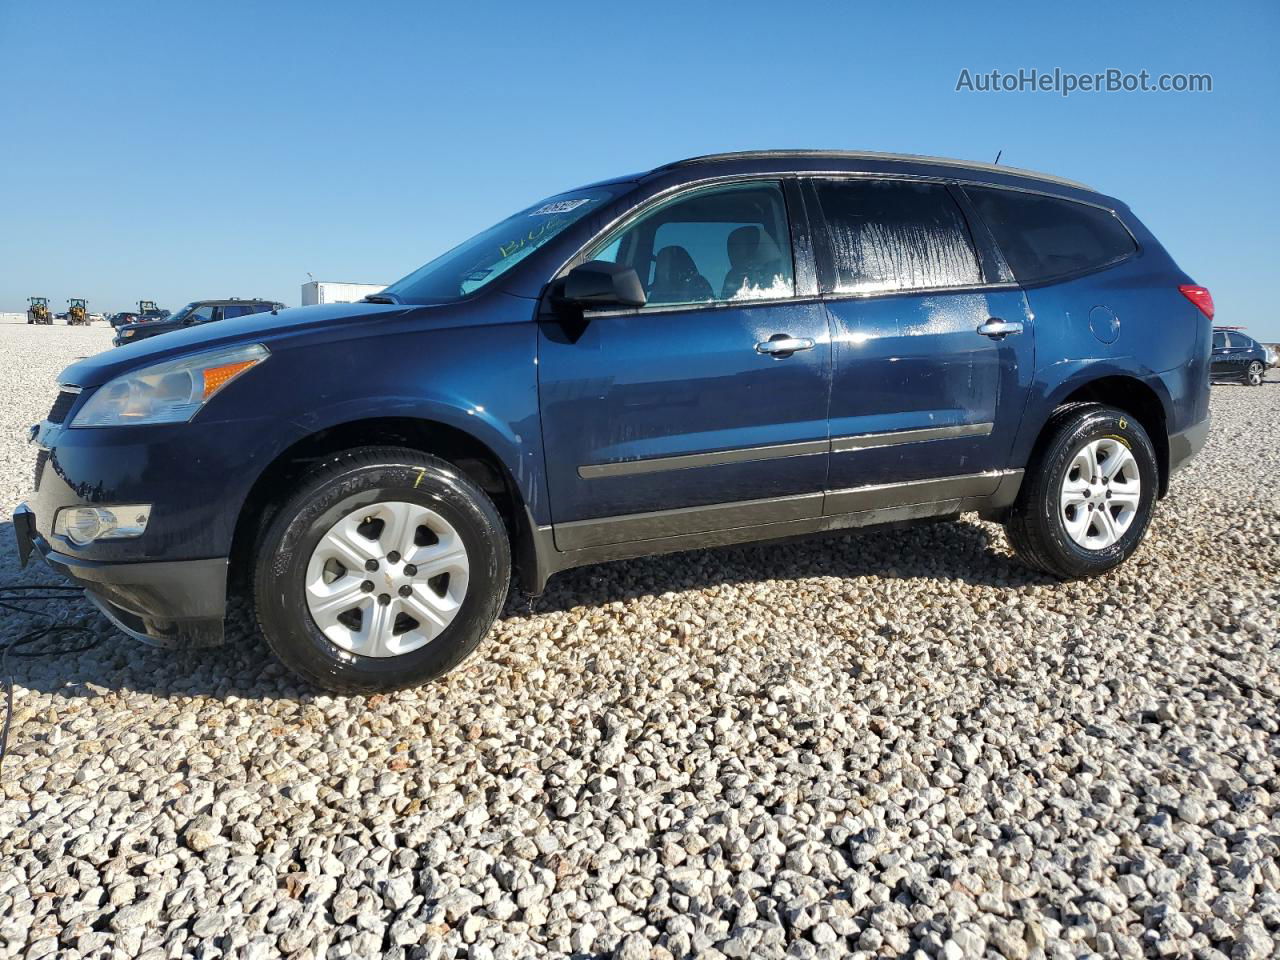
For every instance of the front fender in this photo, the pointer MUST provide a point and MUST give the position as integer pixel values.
(478, 379)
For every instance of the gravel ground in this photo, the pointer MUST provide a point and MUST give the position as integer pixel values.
(895, 744)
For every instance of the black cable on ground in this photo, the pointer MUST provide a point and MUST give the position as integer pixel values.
(28, 644)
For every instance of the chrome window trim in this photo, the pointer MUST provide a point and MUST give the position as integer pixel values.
(921, 291)
(799, 175)
(701, 305)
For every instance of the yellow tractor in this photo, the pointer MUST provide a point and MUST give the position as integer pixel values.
(38, 312)
(77, 315)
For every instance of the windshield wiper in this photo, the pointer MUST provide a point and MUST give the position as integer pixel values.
(382, 298)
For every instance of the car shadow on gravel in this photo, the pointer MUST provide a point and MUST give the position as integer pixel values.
(244, 667)
(945, 550)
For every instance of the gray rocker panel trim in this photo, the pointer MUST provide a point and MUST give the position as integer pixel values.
(859, 505)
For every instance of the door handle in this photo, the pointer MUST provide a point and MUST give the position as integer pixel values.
(781, 345)
(997, 329)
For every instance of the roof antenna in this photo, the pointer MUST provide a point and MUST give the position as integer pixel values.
(996, 162)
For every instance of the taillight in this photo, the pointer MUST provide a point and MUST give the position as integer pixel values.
(1200, 296)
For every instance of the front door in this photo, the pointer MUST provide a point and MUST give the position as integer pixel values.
(707, 408)
(930, 363)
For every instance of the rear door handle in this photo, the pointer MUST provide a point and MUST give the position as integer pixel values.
(996, 329)
(781, 345)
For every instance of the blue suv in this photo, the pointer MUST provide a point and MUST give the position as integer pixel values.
(724, 349)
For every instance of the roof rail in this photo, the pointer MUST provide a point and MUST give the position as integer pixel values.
(876, 155)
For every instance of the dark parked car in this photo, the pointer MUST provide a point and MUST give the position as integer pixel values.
(193, 314)
(1238, 357)
(725, 349)
(120, 319)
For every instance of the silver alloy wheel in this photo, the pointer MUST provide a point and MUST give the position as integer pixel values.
(1255, 373)
(1100, 493)
(387, 579)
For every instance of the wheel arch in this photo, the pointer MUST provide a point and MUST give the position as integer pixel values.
(1145, 399)
(473, 456)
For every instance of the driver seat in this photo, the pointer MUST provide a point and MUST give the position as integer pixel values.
(676, 278)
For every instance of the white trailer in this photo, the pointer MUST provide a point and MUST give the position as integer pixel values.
(328, 291)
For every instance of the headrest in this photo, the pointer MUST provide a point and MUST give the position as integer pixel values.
(751, 246)
(674, 263)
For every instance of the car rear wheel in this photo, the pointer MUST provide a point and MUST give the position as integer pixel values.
(1254, 374)
(384, 570)
(1088, 495)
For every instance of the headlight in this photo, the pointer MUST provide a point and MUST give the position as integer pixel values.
(169, 392)
(127, 333)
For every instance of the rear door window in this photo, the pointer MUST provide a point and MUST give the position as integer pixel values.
(1219, 340)
(1045, 237)
(894, 235)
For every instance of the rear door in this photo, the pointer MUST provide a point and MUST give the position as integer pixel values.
(932, 344)
(683, 416)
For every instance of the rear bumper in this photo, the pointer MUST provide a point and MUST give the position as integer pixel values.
(1185, 445)
(163, 603)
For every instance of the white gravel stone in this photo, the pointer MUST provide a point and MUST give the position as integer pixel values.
(896, 744)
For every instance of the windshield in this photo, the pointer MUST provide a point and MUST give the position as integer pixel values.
(180, 314)
(488, 255)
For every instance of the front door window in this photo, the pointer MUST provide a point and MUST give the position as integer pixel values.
(718, 245)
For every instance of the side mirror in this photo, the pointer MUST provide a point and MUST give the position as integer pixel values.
(599, 283)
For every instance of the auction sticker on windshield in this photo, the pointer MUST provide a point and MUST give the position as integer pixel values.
(559, 206)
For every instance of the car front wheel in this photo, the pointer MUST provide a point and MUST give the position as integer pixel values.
(1087, 496)
(384, 570)
(1255, 373)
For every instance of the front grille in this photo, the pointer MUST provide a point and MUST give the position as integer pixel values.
(41, 459)
(62, 405)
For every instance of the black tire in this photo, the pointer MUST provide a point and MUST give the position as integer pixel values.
(1255, 373)
(1036, 528)
(340, 486)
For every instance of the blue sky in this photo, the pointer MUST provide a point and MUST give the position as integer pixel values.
(180, 150)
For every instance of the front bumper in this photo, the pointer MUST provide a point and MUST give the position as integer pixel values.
(164, 603)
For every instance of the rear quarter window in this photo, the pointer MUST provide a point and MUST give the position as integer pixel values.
(1044, 237)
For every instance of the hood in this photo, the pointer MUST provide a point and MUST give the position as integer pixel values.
(255, 328)
(166, 323)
